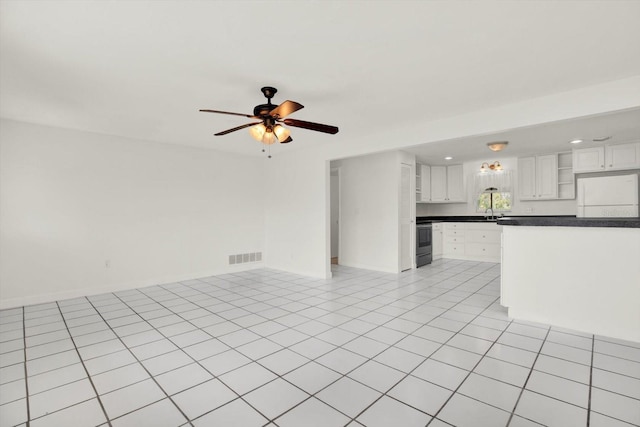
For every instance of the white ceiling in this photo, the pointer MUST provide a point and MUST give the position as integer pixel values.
(143, 69)
(553, 137)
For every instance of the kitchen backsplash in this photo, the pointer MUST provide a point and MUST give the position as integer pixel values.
(551, 207)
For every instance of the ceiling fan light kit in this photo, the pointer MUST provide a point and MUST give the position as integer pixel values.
(269, 130)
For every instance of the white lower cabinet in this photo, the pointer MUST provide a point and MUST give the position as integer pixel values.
(436, 250)
(474, 241)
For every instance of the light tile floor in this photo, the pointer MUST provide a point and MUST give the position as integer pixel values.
(429, 347)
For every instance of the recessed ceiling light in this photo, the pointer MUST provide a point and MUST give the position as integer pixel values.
(448, 158)
(575, 141)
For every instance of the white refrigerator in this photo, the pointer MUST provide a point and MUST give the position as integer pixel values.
(608, 196)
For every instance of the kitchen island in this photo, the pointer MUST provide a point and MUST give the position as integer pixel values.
(577, 273)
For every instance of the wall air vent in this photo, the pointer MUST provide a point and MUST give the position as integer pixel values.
(245, 258)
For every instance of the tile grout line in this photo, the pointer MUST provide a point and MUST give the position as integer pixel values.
(189, 356)
(471, 370)
(593, 342)
(26, 376)
(524, 386)
(143, 367)
(84, 367)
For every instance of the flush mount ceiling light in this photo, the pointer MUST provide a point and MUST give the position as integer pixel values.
(495, 166)
(497, 145)
(575, 141)
(448, 158)
(268, 130)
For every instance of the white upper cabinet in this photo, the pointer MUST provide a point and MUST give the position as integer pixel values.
(588, 159)
(455, 183)
(438, 183)
(547, 176)
(605, 158)
(527, 178)
(447, 184)
(425, 183)
(538, 177)
(622, 156)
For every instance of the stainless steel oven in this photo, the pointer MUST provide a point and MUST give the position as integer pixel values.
(424, 244)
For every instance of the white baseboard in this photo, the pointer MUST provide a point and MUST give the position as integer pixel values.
(82, 292)
(369, 267)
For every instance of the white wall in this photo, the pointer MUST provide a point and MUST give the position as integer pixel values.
(296, 202)
(547, 207)
(70, 201)
(369, 216)
(303, 205)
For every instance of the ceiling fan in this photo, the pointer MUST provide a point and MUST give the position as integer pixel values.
(268, 129)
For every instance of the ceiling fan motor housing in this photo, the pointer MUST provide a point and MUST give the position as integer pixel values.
(263, 110)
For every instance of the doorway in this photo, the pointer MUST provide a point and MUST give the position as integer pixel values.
(335, 215)
(406, 220)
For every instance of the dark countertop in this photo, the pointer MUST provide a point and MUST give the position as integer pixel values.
(539, 221)
(429, 219)
(473, 218)
(559, 221)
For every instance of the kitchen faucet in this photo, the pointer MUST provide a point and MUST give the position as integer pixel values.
(489, 218)
(490, 190)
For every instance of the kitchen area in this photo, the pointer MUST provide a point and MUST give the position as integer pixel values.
(556, 207)
(579, 271)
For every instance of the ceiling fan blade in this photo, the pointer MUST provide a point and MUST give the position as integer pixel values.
(227, 112)
(286, 108)
(311, 126)
(286, 141)
(224, 132)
